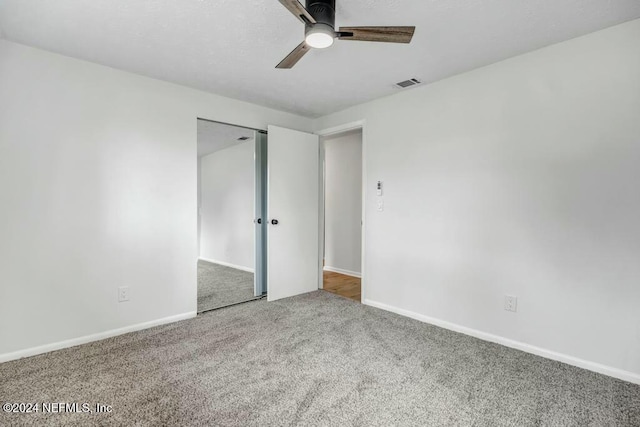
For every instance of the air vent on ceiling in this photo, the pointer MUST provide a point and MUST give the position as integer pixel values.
(243, 138)
(408, 83)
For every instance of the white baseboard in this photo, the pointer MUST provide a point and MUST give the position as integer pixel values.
(342, 271)
(538, 351)
(93, 337)
(228, 264)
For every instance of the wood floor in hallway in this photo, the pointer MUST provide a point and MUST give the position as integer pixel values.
(343, 285)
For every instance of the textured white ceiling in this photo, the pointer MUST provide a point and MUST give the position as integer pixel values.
(214, 136)
(230, 47)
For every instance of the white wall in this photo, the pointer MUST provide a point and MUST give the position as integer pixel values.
(343, 203)
(98, 190)
(519, 178)
(227, 181)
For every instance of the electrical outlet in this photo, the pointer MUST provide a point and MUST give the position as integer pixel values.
(510, 303)
(380, 205)
(123, 293)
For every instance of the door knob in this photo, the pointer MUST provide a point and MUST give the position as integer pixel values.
(259, 220)
(274, 221)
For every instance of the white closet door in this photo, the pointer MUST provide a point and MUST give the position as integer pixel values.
(292, 236)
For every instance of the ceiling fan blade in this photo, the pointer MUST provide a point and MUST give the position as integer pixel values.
(298, 11)
(294, 56)
(377, 34)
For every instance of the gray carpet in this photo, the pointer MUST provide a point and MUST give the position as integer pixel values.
(312, 360)
(220, 286)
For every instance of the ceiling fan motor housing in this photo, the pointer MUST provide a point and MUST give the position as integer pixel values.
(323, 11)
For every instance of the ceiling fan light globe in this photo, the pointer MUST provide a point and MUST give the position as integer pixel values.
(320, 36)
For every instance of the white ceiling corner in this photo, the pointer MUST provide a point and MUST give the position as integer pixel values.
(231, 47)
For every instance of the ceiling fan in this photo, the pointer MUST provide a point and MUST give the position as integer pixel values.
(319, 18)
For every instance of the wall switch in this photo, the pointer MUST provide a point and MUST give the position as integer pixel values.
(379, 188)
(510, 303)
(123, 293)
(380, 205)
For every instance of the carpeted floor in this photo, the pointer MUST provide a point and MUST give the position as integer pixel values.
(220, 286)
(312, 360)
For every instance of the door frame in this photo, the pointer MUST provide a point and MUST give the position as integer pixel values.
(359, 124)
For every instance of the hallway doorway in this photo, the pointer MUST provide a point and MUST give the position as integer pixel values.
(342, 249)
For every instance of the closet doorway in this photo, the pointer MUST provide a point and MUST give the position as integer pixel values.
(231, 206)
